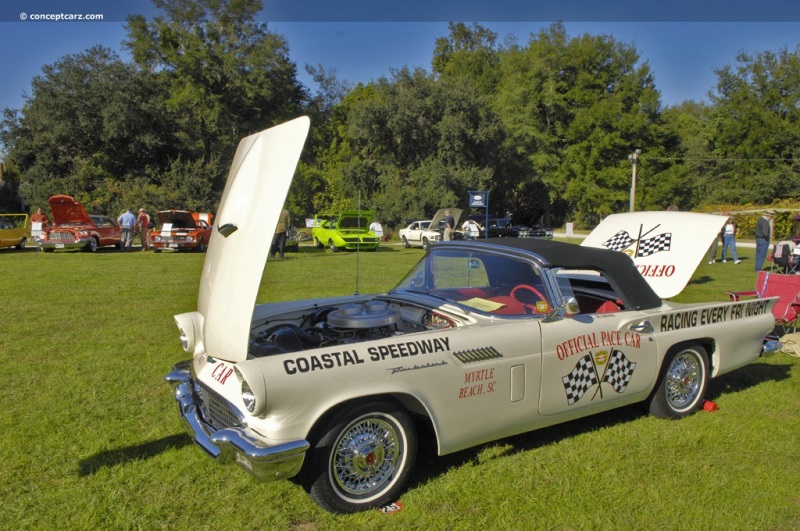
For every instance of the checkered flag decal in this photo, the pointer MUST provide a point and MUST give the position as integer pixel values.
(619, 371)
(580, 380)
(620, 241)
(654, 245)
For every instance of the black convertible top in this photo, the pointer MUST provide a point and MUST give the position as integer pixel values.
(618, 267)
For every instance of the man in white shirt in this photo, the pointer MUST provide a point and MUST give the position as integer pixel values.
(471, 229)
(377, 228)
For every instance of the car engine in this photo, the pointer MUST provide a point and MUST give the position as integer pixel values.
(330, 326)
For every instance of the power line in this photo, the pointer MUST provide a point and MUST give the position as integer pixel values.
(718, 159)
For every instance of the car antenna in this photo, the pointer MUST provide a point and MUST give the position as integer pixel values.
(358, 243)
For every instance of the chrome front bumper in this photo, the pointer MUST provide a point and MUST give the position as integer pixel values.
(239, 445)
(54, 244)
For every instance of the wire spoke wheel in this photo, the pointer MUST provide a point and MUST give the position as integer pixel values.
(364, 458)
(683, 383)
(683, 380)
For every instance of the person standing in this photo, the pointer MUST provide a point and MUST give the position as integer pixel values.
(763, 237)
(144, 229)
(449, 225)
(281, 230)
(40, 217)
(377, 228)
(128, 222)
(471, 229)
(729, 234)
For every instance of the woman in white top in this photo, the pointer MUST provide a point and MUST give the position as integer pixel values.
(729, 233)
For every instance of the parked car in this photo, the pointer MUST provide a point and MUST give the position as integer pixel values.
(480, 340)
(349, 230)
(292, 240)
(504, 228)
(15, 230)
(424, 233)
(181, 230)
(73, 228)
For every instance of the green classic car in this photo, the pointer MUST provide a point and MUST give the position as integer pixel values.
(348, 231)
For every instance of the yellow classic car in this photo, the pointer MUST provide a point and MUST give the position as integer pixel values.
(15, 229)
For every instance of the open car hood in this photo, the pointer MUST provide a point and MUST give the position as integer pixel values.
(180, 217)
(353, 219)
(68, 211)
(666, 247)
(254, 195)
(439, 217)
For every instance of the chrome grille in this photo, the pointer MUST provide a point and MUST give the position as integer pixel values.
(215, 410)
(62, 236)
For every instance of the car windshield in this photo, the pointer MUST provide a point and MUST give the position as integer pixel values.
(486, 281)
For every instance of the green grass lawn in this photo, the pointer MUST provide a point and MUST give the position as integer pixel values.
(92, 439)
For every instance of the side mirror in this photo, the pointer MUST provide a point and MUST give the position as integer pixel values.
(570, 305)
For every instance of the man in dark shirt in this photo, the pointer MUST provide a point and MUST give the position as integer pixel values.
(449, 225)
(763, 237)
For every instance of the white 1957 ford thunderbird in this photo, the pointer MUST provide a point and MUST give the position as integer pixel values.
(481, 340)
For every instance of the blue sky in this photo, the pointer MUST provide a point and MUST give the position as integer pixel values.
(364, 39)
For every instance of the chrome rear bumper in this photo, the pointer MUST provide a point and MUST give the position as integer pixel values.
(239, 445)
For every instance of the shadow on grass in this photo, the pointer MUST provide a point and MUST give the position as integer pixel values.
(705, 279)
(109, 458)
(430, 464)
(393, 247)
(746, 377)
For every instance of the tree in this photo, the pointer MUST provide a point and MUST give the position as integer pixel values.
(756, 128)
(229, 76)
(416, 144)
(90, 117)
(468, 53)
(573, 110)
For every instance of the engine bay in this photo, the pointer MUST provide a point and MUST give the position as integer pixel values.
(347, 323)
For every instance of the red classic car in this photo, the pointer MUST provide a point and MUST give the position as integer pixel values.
(181, 230)
(73, 228)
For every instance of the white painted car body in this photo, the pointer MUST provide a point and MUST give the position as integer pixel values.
(482, 340)
(425, 233)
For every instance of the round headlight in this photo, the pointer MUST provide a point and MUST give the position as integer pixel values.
(188, 324)
(248, 397)
(253, 388)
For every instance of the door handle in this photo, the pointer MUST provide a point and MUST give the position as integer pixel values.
(643, 328)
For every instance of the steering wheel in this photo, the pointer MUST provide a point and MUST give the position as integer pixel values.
(532, 307)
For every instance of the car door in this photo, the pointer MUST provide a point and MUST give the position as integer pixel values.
(591, 359)
(415, 233)
(5, 232)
